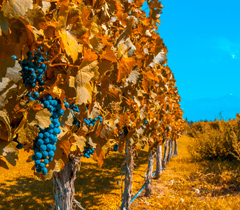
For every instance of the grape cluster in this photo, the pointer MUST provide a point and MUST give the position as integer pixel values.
(75, 109)
(32, 73)
(115, 148)
(91, 122)
(45, 143)
(33, 70)
(143, 146)
(88, 151)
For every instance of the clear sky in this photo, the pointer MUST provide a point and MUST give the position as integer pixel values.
(203, 41)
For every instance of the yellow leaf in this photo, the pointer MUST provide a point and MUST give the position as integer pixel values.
(84, 94)
(70, 44)
(73, 148)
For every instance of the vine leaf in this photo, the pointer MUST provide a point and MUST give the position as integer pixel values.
(27, 133)
(16, 8)
(40, 118)
(9, 151)
(5, 128)
(84, 94)
(9, 75)
(78, 141)
(3, 24)
(99, 155)
(125, 67)
(83, 79)
(70, 44)
(108, 54)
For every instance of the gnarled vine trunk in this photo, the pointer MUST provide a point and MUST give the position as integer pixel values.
(159, 161)
(63, 185)
(175, 148)
(149, 175)
(164, 162)
(127, 195)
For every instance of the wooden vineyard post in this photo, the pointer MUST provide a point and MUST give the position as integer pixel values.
(170, 150)
(164, 162)
(159, 161)
(127, 195)
(149, 175)
(63, 185)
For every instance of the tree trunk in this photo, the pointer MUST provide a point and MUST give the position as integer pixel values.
(170, 150)
(164, 162)
(149, 175)
(63, 185)
(175, 148)
(127, 195)
(159, 161)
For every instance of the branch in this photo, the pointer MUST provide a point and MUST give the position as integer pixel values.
(78, 204)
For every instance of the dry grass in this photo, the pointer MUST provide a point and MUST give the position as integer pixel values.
(183, 185)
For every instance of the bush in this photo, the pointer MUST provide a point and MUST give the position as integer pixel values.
(215, 140)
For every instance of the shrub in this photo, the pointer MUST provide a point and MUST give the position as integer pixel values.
(215, 140)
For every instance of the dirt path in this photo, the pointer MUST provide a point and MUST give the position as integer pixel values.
(194, 185)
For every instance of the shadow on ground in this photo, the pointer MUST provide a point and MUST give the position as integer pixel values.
(91, 183)
(27, 193)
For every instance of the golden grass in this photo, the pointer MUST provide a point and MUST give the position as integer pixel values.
(183, 185)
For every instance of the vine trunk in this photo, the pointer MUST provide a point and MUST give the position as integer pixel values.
(63, 185)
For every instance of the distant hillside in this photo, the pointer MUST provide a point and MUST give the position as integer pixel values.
(208, 108)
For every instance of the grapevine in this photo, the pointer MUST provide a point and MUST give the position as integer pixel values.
(101, 70)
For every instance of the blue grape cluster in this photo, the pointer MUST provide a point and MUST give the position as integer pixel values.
(33, 70)
(32, 73)
(145, 121)
(75, 109)
(88, 151)
(115, 148)
(91, 122)
(45, 143)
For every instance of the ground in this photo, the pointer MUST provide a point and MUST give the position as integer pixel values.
(184, 184)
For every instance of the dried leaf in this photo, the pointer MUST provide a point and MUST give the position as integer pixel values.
(27, 133)
(125, 67)
(99, 155)
(9, 151)
(70, 44)
(40, 118)
(5, 128)
(84, 94)
(16, 8)
(3, 24)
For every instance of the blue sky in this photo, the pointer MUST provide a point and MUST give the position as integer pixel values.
(203, 41)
